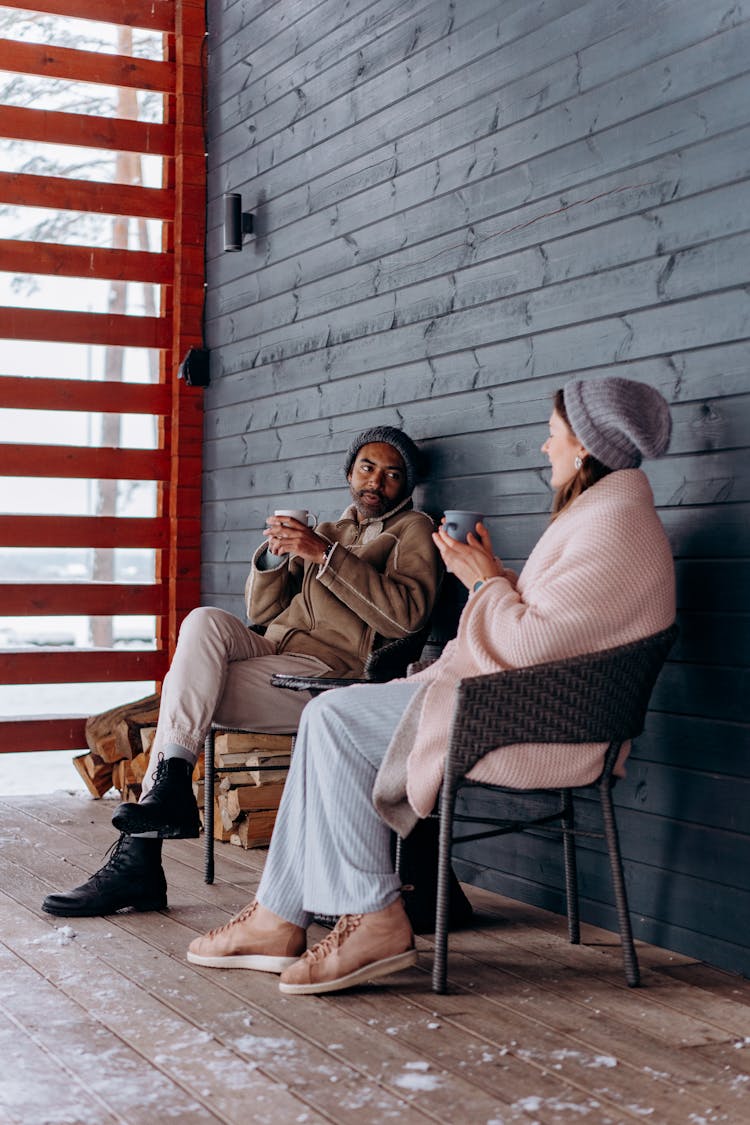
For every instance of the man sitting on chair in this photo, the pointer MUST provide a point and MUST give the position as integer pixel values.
(323, 595)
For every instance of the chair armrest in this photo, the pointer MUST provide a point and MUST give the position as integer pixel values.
(387, 662)
(390, 660)
(315, 684)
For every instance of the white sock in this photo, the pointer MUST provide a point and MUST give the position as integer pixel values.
(172, 750)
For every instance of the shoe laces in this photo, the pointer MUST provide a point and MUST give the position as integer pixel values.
(343, 929)
(243, 916)
(160, 773)
(111, 857)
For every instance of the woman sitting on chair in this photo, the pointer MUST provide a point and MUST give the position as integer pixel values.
(370, 758)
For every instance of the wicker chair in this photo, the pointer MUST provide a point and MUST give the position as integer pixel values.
(387, 660)
(602, 697)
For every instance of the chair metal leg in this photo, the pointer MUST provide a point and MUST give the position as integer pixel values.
(567, 817)
(208, 806)
(630, 959)
(440, 962)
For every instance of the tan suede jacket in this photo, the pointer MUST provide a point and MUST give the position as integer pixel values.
(380, 579)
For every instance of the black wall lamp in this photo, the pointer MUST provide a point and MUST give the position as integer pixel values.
(237, 223)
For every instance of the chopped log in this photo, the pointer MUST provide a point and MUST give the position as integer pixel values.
(220, 831)
(147, 738)
(224, 760)
(255, 829)
(264, 765)
(96, 774)
(118, 776)
(198, 791)
(139, 766)
(247, 797)
(128, 731)
(124, 779)
(93, 764)
(266, 768)
(104, 747)
(101, 734)
(247, 742)
(258, 776)
(227, 813)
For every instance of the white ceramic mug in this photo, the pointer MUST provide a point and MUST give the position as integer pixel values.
(458, 524)
(300, 514)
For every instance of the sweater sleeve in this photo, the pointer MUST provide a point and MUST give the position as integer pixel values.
(397, 601)
(573, 603)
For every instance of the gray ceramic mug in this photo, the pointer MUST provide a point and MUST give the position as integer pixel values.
(458, 524)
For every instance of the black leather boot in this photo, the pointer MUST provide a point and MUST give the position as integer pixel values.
(168, 809)
(132, 876)
(418, 864)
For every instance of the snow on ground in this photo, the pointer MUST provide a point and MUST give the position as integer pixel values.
(40, 772)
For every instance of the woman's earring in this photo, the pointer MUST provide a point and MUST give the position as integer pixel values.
(578, 463)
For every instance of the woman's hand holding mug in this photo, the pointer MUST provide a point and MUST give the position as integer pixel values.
(473, 560)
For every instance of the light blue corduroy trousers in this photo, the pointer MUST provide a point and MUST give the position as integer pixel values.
(331, 852)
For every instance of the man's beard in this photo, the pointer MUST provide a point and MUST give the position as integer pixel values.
(371, 511)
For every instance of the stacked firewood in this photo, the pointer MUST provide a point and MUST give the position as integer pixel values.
(119, 743)
(251, 770)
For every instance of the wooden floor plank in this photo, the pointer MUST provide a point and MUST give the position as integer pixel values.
(573, 977)
(532, 1029)
(222, 1012)
(164, 1037)
(31, 1080)
(102, 1079)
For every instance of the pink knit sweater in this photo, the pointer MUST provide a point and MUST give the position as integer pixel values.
(601, 575)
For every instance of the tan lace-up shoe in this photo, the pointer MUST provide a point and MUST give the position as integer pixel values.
(360, 948)
(254, 939)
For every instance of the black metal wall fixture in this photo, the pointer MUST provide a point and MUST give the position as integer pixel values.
(237, 223)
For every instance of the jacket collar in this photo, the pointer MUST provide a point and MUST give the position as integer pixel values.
(376, 523)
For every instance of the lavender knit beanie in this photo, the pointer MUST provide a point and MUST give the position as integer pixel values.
(400, 441)
(618, 420)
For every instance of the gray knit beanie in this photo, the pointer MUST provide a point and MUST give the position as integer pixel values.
(618, 420)
(400, 441)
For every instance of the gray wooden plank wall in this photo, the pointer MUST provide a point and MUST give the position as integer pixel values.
(459, 206)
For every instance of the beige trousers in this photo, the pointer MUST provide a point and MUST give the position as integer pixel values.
(221, 672)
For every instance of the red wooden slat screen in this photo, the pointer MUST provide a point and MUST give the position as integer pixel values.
(84, 261)
(84, 66)
(84, 328)
(85, 195)
(83, 531)
(38, 393)
(158, 15)
(54, 127)
(174, 533)
(96, 599)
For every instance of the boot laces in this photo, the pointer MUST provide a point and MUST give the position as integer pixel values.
(112, 858)
(159, 776)
(243, 916)
(343, 929)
